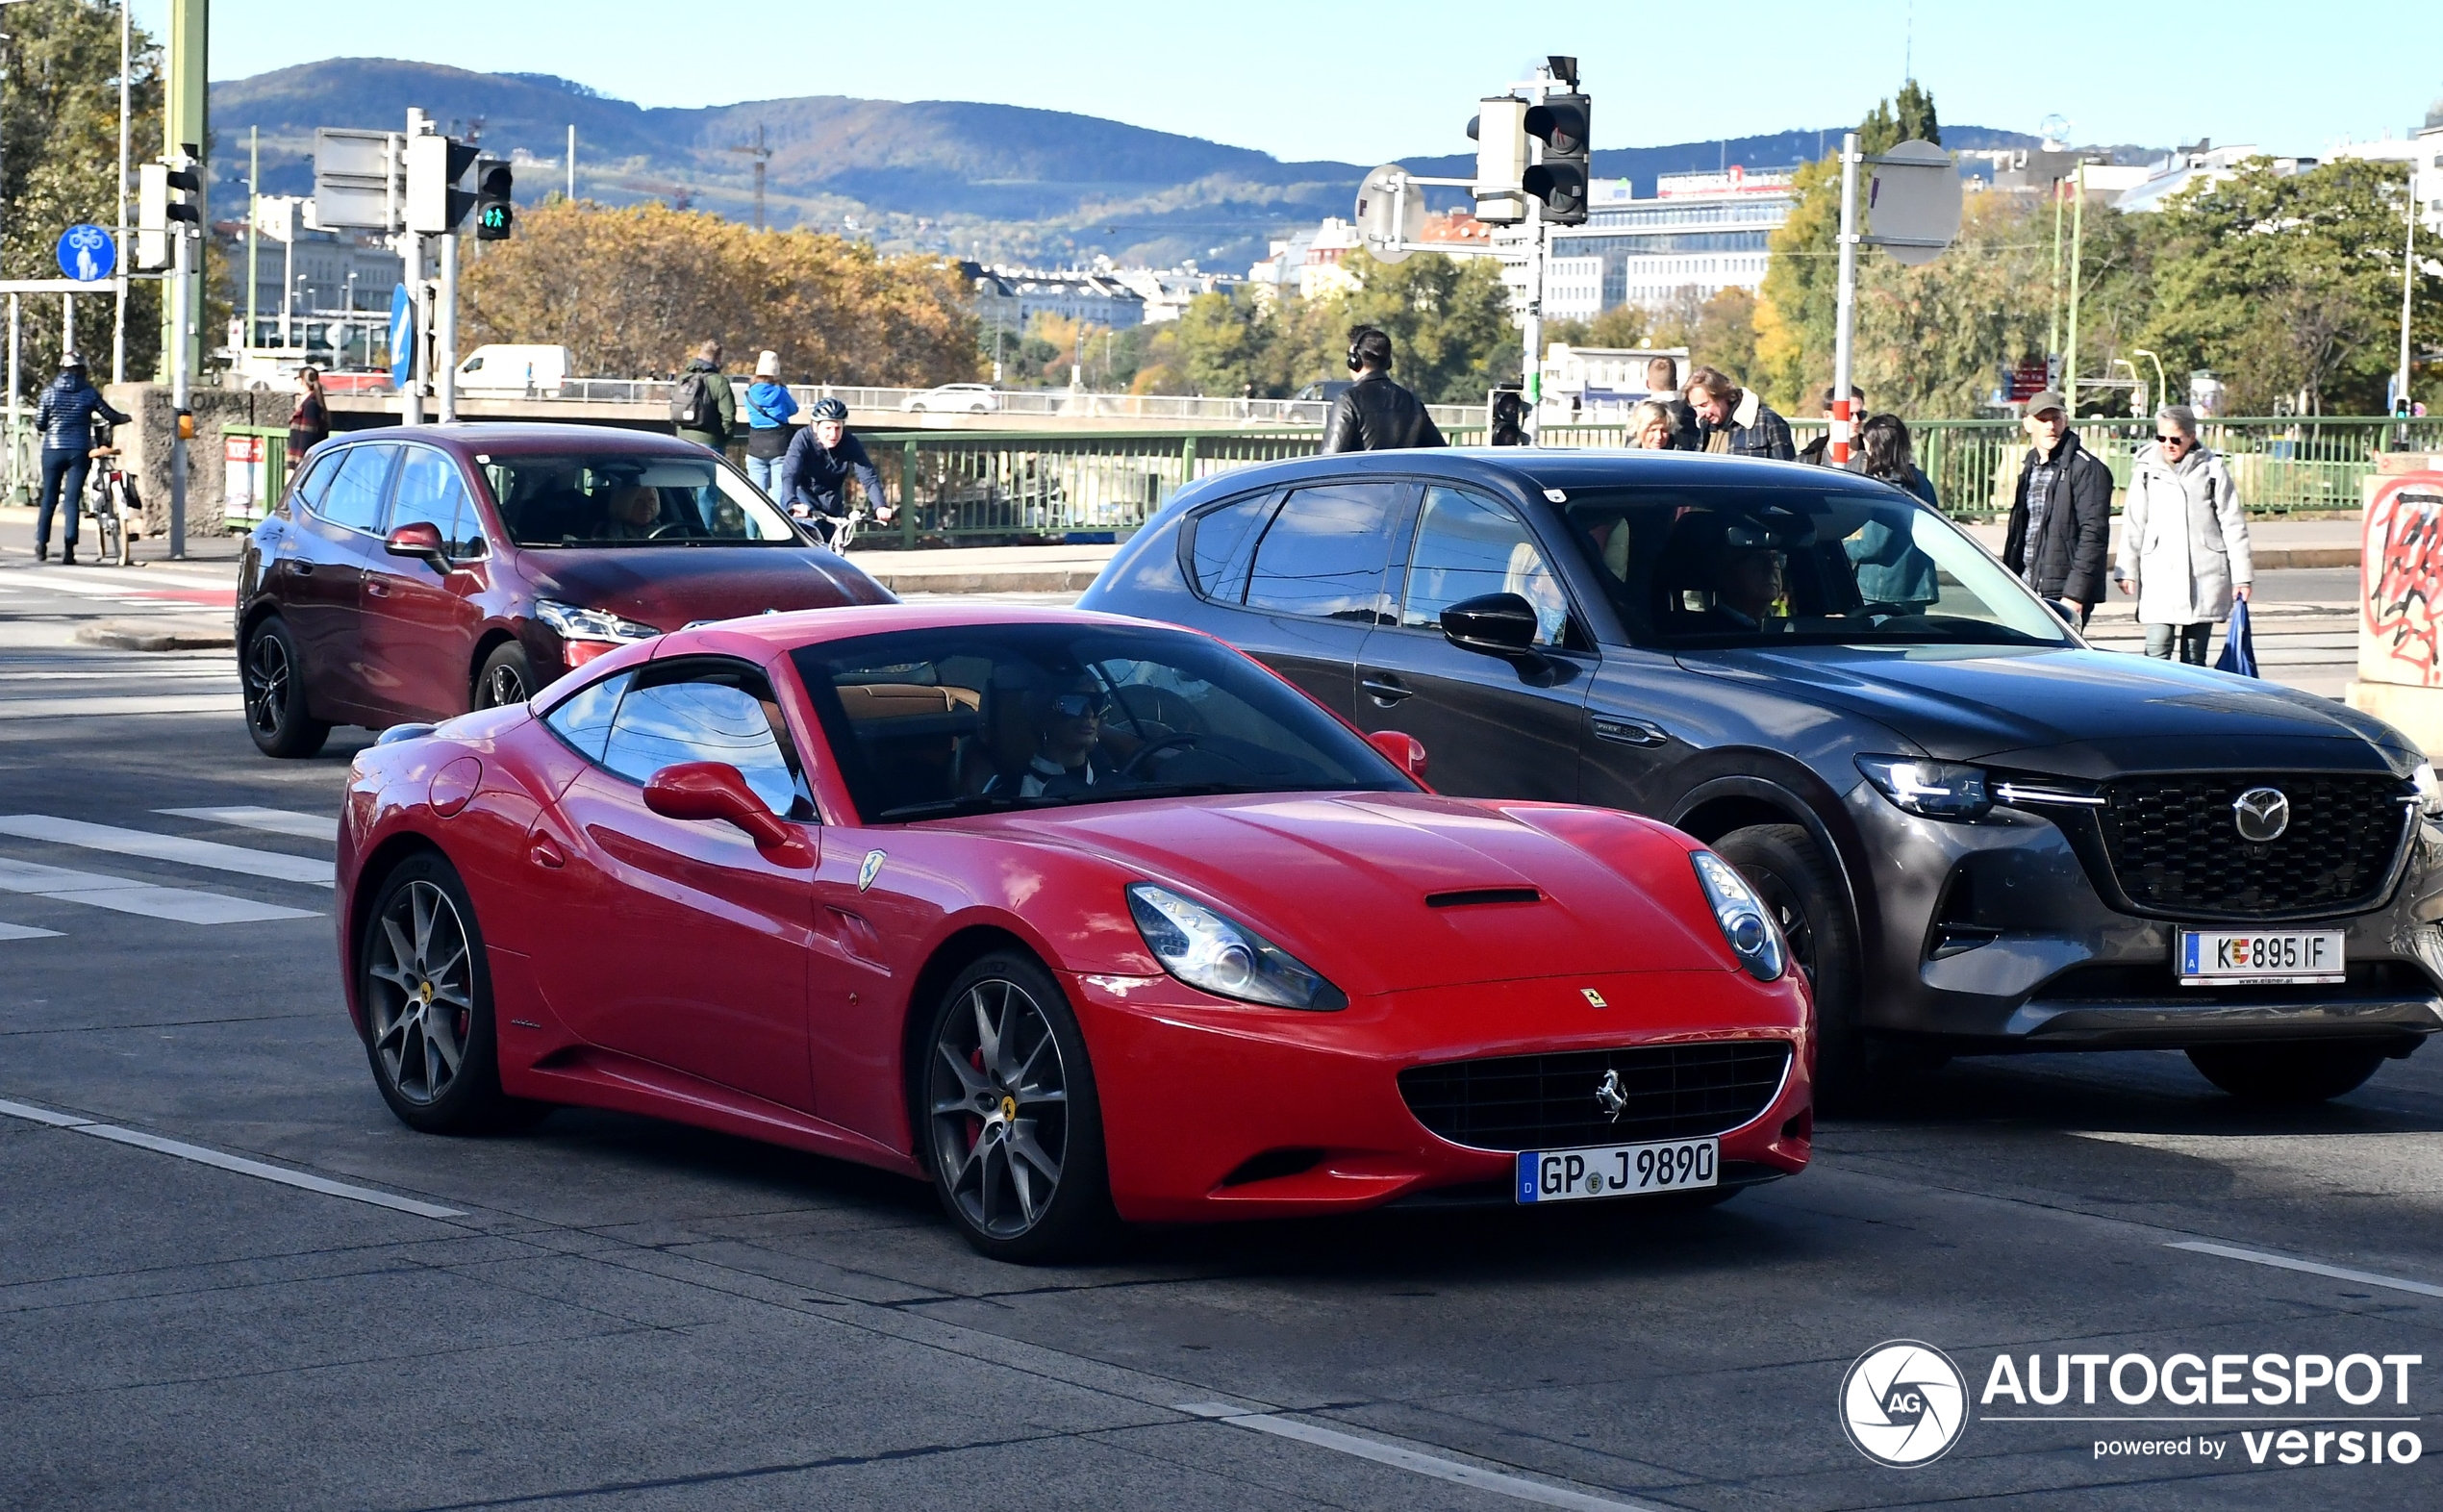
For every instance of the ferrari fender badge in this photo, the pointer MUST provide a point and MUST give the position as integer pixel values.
(871, 868)
(1593, 998)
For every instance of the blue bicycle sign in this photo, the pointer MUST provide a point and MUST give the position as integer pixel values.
(88, 254)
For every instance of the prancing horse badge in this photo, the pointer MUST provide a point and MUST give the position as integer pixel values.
(871, 869)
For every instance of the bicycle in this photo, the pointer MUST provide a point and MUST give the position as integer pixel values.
(836, 531)
(111, 501)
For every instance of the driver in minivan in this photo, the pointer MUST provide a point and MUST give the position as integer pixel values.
(633, 513)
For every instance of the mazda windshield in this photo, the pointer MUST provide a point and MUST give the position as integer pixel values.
(1732, 567)
(981, 719)
(607, 499)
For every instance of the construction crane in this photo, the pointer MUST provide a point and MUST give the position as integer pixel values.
(762, 155)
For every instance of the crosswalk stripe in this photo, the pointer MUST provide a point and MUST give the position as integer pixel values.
(272, 821)
(95, 705)
(180, 848)
(126, 896)
(8, 931)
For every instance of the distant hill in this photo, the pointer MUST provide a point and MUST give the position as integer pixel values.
(999, 181)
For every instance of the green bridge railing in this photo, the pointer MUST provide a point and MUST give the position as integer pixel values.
(1010, 485)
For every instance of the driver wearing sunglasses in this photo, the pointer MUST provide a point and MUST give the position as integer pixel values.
(1069, 756)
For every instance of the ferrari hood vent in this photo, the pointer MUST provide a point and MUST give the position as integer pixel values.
(1472, 897)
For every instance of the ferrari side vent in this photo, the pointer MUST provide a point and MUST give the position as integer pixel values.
(1271, 1165)
(1471, 897)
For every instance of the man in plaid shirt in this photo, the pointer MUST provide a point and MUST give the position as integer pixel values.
(1734, 421)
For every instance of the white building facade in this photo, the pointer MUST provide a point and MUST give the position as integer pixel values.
(1701, 231)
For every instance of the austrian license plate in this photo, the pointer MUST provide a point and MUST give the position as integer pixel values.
(1610, 1170)
(2208, 957)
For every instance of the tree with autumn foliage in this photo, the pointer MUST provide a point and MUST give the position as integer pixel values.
(632, 290)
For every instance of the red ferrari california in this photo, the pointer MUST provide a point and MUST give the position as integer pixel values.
(1078, 918)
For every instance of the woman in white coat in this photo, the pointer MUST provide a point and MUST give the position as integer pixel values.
(2184, 540)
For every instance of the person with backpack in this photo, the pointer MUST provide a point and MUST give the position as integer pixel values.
(702, 408)
(66, 420)
(769, 406)
(814, 477)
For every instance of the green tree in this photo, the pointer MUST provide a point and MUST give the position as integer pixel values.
(1220, 344)
(1617, 329)
(1448, 321)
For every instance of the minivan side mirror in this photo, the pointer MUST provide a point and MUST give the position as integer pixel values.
(1494, 624)
(1405, 750)
(421, 540)
(712, 790)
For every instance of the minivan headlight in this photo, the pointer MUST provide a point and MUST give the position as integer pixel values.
(572, 623)
(1943, 789)
(1749, 930)
(1224, 957)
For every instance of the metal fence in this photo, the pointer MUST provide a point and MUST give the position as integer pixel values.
(1155, 409)
(1015, 485)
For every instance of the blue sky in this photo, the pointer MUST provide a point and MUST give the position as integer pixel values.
(1368, 83)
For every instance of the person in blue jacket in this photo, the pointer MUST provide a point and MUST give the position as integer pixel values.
(1890, 567)
(66, 420)
(770, 408)
(814, 477)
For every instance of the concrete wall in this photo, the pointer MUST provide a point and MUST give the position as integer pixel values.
(146, 443)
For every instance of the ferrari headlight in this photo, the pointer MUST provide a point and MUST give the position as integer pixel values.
(573, 624)
(1229, 960)
(1741, 915)
(1943, 789)
(2430, 791)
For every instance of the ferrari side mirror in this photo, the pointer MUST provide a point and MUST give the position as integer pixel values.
(712, 789)
(1405, 750)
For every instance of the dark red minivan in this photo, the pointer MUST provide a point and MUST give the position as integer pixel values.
(416, 574)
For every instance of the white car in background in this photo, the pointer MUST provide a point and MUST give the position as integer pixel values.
(954, 398)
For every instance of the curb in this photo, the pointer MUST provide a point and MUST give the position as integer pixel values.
(135, 634)
(1003, 580)
(2274, 558)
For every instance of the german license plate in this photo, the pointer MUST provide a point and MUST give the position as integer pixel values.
(1611, 1170)
(2208, 957)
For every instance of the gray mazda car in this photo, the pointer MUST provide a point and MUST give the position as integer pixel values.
(1979, 833)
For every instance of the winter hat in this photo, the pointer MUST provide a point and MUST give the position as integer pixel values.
(767, 366)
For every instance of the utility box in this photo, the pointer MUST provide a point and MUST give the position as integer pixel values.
(2400, 599)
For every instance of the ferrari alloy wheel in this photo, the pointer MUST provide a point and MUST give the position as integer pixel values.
(271, 682)
(427, 1000)
(1017, 1140)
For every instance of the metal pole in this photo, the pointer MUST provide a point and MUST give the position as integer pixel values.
(445, 332)
(182, 256)
(572, 160)
(1845, 300)
(16, 349)
(287, 285)
(254, 223)
(68, 323)
(2078, 243)
(118, 322)
(2053, 332)
(1531, 374)
(2409, 274)
(412, 397)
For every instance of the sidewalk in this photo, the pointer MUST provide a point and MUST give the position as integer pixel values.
(985, 570)
(2278, 543)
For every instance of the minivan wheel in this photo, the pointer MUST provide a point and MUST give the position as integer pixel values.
(508, 677)
(2291, 1073)
(1796, 882)
(271, 681)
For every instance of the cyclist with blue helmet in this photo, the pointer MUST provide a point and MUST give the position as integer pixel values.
(814, 476)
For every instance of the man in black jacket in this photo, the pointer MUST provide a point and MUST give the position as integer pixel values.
(2061, 519)
(1375, 414)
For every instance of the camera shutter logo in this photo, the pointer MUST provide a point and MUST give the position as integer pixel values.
(2261, 814)
(1904, 1404)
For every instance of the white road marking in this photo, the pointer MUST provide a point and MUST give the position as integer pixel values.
(8, 931)
(219, 1161)
(129, 703)
(122, 894)
(180, 848)
(1408, 1459)
(271, 822)
(2311, 1266)
(167, 674)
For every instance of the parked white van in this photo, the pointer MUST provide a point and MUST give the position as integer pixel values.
(514, 371)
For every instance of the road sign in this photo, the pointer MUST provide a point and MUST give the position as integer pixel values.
(1391, 209)
(359, 179)
(1913, 202)
(88, 254)
(402, 336)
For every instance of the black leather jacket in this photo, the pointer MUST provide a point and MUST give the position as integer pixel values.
(1376, 415)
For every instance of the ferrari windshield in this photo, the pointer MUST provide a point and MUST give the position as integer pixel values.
(1780, 566)
(606, 499)
(975, 719)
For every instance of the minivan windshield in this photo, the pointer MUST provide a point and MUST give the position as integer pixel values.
(1732, 567)
(608, 499)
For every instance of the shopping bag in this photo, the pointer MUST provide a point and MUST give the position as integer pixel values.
(2239, 647)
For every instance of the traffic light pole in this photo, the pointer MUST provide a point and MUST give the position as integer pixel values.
(1531, 371)
(1845, 304)
(445, 332)
(412, 264)
(181, 422)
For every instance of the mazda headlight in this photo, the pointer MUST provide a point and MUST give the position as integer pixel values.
(590, 624)
(2430, 791)
(1943, 789)
(1227, 959)
(1745, 925)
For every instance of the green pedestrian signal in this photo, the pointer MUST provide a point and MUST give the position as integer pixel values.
(495, 213)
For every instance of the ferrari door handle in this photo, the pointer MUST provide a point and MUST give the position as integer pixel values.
(1385, 689)
(544, 853)
(1630, 732)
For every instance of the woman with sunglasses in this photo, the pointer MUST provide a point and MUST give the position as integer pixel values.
(1067, 756)
(2185, 549)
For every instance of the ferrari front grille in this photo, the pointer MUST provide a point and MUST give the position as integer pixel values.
(1597, 1096)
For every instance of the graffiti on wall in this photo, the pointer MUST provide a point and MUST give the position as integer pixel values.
(2401, 586)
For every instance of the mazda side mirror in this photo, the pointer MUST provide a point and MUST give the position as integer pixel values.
(1405, 750)
(421, 540)
(1494, 624)
(712, 790)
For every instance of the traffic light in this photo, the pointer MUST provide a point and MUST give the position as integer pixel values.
(495, 213)
(1563, 123)
(165, 193)
(1501, 158)
(435, 203)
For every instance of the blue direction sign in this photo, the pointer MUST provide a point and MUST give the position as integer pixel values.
(402, 336)
(88, 254)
